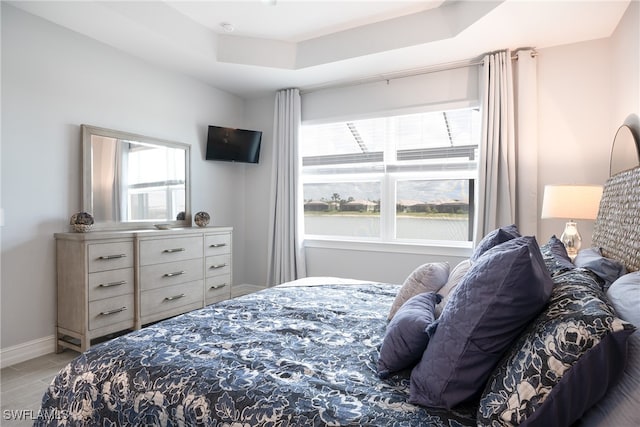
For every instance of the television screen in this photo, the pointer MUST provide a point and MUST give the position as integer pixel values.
(233, 145)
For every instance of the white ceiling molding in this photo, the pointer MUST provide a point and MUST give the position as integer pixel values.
(433, 25)
(309, 43)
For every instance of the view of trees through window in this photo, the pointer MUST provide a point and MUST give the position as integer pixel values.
(408, 177)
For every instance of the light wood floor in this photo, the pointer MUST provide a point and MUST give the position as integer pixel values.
(22, 386)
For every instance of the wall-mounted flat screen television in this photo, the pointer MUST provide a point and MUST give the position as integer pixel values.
(233, 145)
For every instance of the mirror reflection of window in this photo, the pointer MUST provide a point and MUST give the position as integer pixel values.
(134, 181)
(109, 183)
(156, 186)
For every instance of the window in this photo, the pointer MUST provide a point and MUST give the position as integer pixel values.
(400, 178)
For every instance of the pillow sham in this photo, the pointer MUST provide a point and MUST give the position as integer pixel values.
(497, 236)
(406, 337)
(455, 277)
(556, 257)
(428, 277)
(607, 269)
(563, 363)
(500, 294)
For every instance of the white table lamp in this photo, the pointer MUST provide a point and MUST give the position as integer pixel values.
(571, 202)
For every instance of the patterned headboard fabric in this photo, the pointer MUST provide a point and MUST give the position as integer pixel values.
(617, 228)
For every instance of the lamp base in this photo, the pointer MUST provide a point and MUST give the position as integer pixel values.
(571, 239)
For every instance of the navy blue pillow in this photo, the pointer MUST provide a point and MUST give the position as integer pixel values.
(497, 236)
(501, 293)
(406, 337)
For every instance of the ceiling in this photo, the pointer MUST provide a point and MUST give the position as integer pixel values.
(309, 44)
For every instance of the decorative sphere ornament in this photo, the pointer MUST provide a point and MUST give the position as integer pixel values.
(201, 219)
(81, 222)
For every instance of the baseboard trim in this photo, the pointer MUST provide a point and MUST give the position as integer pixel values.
(28, 350)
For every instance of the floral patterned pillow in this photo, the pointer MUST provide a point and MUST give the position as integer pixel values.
(555, 256)
(563, 363)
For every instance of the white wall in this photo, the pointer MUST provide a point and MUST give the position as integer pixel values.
(257, 194)
(53, 80)
(386, 264)
(574, 124)
(625, 71)
(586, 91)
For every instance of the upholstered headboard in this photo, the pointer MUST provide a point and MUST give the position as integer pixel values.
(617, 228)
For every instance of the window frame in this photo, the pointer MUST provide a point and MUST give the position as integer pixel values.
(388, 241)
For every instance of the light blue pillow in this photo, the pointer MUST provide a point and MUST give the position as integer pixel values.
(607, 269)
(500, 294)
(624, 295)
(406, 337)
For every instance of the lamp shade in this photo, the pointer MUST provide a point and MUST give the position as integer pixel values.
(571, 201)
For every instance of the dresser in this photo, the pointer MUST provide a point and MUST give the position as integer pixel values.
(217, 267)
(113, 281)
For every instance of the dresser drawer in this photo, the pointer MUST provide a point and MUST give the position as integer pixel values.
(170, 273)
(217, 288)
(109, 256)
(170, 297)
(111, 283)
(216, 244)
(155, 251)
(109, 311)
(218, 264)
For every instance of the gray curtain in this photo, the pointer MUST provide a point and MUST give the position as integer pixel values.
(286, 252)
(497, 167)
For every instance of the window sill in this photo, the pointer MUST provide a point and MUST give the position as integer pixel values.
(454, 249)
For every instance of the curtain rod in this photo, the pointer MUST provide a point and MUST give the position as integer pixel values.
(408, 73)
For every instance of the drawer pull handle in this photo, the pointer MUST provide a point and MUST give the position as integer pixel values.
(108, 257)
(117, 310)
(219, 286)
(216, 266)
(108, 285)
(177, 273)
(173, 298)
(217, 245)
(174, 250)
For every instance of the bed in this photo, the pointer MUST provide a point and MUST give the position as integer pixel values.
(307, 353)
(292, 355)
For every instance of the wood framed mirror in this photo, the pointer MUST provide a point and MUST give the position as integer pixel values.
(134, 181)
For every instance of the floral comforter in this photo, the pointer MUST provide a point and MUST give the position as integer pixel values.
(290, 356)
